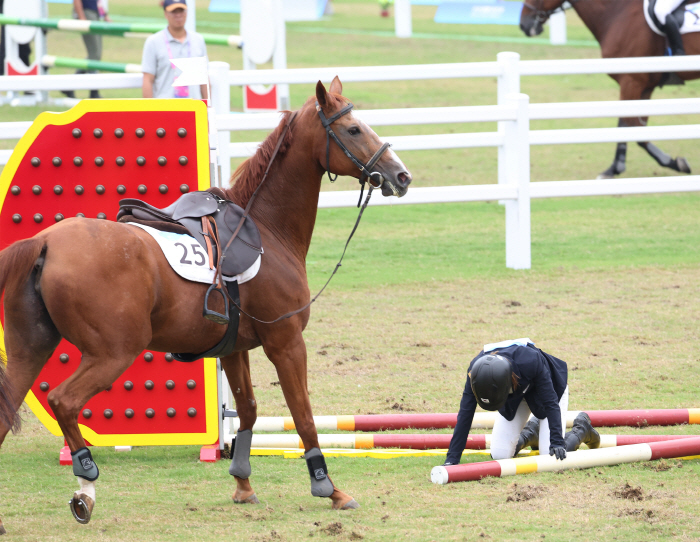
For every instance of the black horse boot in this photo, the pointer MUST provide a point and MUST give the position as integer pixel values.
(581, 432)
(529, 436)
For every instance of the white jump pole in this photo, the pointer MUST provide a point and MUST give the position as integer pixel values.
(557, 28)
(191, 22)
(279, 58)
(402, 18)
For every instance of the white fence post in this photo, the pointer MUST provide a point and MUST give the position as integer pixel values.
(402, 18)
(516, 151)
(557, 28)
(508, 83)
(221, 100)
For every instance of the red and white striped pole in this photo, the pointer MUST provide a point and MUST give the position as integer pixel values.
(482, 420)
(582, 459)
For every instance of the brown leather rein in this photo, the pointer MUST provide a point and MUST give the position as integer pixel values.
(365, 174)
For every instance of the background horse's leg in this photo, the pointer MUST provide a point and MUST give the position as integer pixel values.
(679, 164)
(237, 369)
(618, 166)
(631, 88)
(94, 374)
(289, 358)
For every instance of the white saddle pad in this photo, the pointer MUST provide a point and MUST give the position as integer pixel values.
(189, 260)
(690, 24)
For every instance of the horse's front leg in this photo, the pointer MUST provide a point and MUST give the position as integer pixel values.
(618, 166)
(290, 361)
(237, 369)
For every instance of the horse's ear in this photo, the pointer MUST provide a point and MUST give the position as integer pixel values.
(321, 94)
(336, 86)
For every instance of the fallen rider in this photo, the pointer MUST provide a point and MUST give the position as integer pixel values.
(529, 389)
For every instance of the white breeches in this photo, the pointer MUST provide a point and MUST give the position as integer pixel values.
(504, 437)
(664, 7)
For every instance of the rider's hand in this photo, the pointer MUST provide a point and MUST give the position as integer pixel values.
(558, 451)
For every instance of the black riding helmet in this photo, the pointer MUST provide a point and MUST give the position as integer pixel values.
(491, 380)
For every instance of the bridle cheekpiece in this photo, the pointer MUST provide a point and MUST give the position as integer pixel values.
(373, 177)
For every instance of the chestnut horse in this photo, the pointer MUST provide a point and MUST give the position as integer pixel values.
(622, 32)
(107, 288)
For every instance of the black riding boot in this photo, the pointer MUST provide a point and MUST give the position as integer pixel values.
(673, 33)
(529, 436)
(581, 432)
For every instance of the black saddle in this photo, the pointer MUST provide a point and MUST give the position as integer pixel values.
(188, 211)
(212, 220)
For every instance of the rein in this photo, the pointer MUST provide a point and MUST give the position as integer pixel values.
(367, 176)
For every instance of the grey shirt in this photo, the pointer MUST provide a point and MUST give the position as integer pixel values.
(156, 60)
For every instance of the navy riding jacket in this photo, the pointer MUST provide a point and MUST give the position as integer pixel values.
(542, 380)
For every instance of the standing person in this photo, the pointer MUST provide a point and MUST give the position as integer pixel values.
(171, 42)
(516, 379)
(89, 10)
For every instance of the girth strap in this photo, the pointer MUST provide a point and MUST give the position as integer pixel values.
(226, 345)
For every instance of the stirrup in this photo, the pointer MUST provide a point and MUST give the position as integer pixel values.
(214, 316)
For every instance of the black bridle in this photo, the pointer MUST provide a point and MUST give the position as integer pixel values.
(541, 15)
(374, 178)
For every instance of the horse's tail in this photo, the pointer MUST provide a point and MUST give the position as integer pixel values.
(16, 262)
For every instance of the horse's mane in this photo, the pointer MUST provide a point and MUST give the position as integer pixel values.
(248, 175)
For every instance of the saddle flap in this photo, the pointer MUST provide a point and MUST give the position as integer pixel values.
(246, 248)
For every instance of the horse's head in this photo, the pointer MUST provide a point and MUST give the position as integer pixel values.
(535, 13)
(348, 146)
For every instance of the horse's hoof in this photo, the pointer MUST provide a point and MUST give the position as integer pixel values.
(352, 505)
(343, 501)
(2, 529)
(682, 165)
(252, 499)
(81, 506)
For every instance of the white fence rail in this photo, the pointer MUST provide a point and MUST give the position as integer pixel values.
(512, 114)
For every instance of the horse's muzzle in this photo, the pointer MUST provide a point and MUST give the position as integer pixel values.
(531, 27)
(397, 186)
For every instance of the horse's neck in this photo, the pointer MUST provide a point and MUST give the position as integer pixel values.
(287, 204)
(600, 16)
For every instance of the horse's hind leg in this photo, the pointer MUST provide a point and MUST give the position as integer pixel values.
(94, 374)
(679, 163)
(237, 368)
(30, 339)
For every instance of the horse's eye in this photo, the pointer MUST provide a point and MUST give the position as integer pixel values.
(353, 130)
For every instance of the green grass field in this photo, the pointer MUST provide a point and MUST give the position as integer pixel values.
(613, 290)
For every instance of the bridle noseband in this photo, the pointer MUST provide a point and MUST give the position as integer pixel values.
(373, 177)
(541, 15)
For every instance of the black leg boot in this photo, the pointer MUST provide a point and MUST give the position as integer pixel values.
(581, 432)
(675, 39)
(530, 436)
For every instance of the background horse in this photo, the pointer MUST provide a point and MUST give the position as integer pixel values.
(107, 288)
(622, 31)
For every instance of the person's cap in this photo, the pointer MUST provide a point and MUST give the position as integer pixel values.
(490, 377)
(171, 5)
